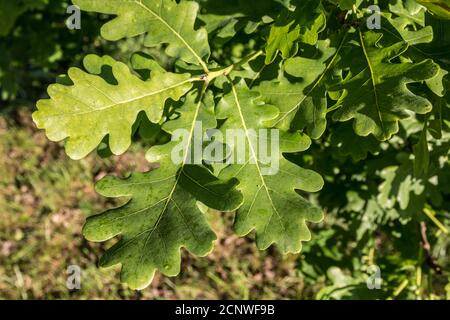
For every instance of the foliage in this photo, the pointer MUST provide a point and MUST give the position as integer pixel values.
(363, 117)
(36, 47)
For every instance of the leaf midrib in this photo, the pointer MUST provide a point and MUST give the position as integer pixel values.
(236, 98)
(372, 76)
(170, 196)
(177, 34)
(119, 103)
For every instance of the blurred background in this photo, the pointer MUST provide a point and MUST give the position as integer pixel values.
(45, 198)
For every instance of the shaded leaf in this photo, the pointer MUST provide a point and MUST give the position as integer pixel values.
(399, 186)
(424, 42)
(350, 144)
(302, 104)
(376, 93)
(439, 7)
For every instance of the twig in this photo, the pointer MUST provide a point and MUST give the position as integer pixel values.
(431, 261)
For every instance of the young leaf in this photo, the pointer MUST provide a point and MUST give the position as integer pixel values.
(93, 107)
(223, 19)
(303, 24)
(165, 21)
(271, 204)
(161, 215)
(377, 95)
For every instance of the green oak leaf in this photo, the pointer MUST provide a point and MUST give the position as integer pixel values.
(350, 144)
(283, 38)
(411, 187)
(302, 104)
(439, 51)
(223, 20)
(162, 214)
(424, 42)
(409, 10)
(144, 65)
(376, 93)
(271, 204)
(403, 28)
(302, 24)
(106, 102)
(439, 7)
(165, 21)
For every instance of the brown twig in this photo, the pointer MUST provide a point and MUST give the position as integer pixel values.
(431, 261)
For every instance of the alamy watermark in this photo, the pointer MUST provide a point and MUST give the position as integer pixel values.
(73, 281)
(74, 20)
(374, 280)
(374, 20)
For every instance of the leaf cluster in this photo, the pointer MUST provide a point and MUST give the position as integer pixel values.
(363, 117)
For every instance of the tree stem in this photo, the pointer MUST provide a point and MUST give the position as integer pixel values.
(211, 75)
